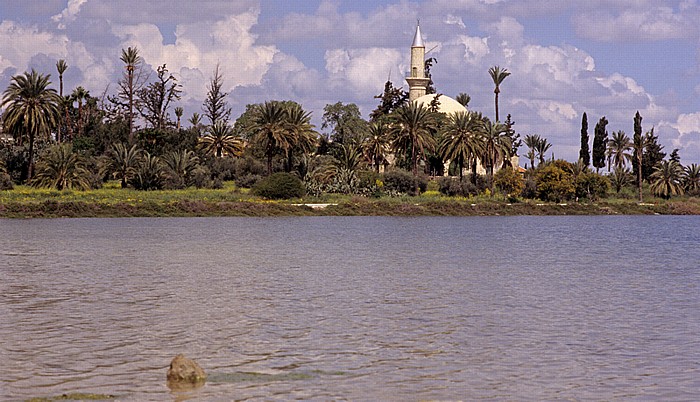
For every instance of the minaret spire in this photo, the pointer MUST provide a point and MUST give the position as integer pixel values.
(416, 79)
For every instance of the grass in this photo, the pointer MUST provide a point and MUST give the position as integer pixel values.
(113, 201)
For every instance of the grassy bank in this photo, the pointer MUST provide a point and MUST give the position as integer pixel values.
(112, 201)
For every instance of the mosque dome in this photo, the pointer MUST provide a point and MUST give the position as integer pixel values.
(447, 104)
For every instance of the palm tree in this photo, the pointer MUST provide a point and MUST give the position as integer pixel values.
(498, 75)
(304, 137)
(178, 112)
(124, 162)
(463, 141)
(412, 130)
(220, 139)
(149, 175)
(79, 95)
(376, 145)
(691, 178)
(619, 178)
(180, 165)
(497, 144)
(131, 58)
(532, 141)
(542, 147)
(270, 131)
(196, 122)
(31, 108)
(619, 150)
(667, 178)
(61, 67)
(61, 168)
(463, 99)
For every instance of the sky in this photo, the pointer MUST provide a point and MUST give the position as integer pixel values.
(603, 57)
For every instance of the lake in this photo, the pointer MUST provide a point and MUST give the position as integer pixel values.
(357, 308)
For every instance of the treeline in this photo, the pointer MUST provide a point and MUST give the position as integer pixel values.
(138, 136)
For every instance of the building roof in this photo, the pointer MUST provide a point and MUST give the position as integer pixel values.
(418, 38)
(447, 104)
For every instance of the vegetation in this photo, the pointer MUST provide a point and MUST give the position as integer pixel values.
(128, 154)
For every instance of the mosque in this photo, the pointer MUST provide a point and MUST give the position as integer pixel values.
(418, 84)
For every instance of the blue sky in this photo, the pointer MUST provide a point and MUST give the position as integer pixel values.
(603, 57)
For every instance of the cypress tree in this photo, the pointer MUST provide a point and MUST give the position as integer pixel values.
(638, 142)
(585, 153)
(600, 140)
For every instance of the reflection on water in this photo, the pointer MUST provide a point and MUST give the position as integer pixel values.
(540, 308)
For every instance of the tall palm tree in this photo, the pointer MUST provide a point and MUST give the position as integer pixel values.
(196, 122)
(79, 95)
(498, 75)
(542, 147)
(463, 140)
(131, 58)
(270, 131)
(61, 168)
(220, 139)
(411, 131)
(691, 178)
(666, 179)
(124, 162)
(304, 137)
(497, 144)
(619, 150)
(178, 112)
(376, 145)
(31, 108)
(532, 141)
(61, 67)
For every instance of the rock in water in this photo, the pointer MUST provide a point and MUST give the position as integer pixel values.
(184, 370)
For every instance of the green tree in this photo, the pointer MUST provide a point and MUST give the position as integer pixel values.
(304, 137)
(376, 145)
(532, 142)
(79, 95)
(498, 75)
(619, 178)
(463, 139)
(31, 108)
(691, 179)
(220, 140)
(666, 179)
(555, 183)
(619, 150)
(391, 99)
(270, 131)
(464, 99)
(411, 132)
(180, 166)
(178, 113)
(149, 175)
(585, 153)
(638, 155)
(216, 107)
(591, 186)
(124, 162)
(132, 60)
(497, 145)
(600, 140)
(345, 122)
(653, 154)
(509, 182)
(541, 149)
(61, 168)
(61, 67)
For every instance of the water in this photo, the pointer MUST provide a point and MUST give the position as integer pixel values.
(409, 309)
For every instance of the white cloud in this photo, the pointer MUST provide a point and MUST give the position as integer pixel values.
(363, 71)
(68, 14)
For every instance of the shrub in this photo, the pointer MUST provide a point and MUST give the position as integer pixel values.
(5, 181)
(248, 181)
(509, 182)
(592, 186)
(279, 186)
(555, 184)
(402, 181)
(452, 186)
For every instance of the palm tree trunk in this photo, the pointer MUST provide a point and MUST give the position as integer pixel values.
(131, 106)
(639, 174)
(496, 91)
(30, 168)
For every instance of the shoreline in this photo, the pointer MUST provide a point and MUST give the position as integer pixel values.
(352, 207)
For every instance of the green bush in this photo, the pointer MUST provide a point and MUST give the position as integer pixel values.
(592, 186)
(452, 186)
(509, 182)
(555, 184)
(5, 181)
(401, 181)
(279, 186)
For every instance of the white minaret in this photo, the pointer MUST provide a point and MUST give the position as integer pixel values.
(417, 82)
